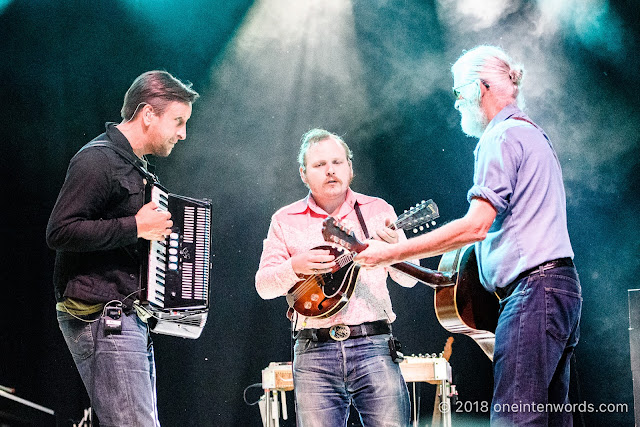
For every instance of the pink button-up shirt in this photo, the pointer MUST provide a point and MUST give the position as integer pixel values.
(297, 228)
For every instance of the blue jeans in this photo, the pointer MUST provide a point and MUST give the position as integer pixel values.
(538, 329)
(118, 370)
(329, 376)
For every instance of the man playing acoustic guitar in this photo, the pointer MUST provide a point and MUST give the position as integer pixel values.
(344, 350)
(517, 220)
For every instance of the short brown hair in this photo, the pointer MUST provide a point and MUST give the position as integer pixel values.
(158, 89)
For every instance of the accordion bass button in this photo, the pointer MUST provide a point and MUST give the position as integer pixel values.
(174, 236)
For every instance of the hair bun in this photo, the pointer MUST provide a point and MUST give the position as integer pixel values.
(515, 76)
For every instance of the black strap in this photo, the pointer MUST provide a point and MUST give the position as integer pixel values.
(125, 155)
(356, 206)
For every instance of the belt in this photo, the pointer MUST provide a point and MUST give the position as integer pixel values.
(343, 332)
(502, 293)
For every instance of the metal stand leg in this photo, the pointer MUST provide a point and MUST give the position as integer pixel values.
(446, 401)
(269, 409)
(415, 405)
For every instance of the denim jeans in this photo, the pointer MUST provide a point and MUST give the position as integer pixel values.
(329, 376)
(538, 329)
(118, 370)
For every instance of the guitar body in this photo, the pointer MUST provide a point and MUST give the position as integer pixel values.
(323, 295)
(467, 307)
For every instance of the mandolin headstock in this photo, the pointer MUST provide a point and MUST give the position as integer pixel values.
(419, 217)
(335, 232)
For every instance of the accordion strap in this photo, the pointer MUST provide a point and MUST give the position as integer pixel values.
(125, 155)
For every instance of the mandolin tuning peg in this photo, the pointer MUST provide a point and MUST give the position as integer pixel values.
(421, 228)
(415, 230)
(433, 223)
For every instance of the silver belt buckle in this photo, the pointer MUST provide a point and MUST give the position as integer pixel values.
(339, 332)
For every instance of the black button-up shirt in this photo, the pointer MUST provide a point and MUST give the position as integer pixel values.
(93, 227)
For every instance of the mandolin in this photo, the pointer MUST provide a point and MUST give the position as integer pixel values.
(323, 295)
(462, 304)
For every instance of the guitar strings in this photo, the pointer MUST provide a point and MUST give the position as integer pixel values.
(311, 281)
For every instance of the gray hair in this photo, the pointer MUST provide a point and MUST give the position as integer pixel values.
(314, 136)
(492, 65)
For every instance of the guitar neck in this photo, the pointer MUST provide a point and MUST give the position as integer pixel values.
(425, 275)
(334, 231)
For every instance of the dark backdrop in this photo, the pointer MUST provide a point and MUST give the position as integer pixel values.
(376, 72)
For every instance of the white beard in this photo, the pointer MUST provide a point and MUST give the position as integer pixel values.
(473, 120)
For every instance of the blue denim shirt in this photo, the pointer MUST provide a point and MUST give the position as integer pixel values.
(518, 172)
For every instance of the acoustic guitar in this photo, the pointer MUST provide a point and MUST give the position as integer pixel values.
(323, 295)
(466, 307)
(462, 304)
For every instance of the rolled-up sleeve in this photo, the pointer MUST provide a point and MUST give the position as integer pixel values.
(496, 167)
(275, 274)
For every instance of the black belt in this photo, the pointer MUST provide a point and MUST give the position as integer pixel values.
(343, 332)
(560, 262)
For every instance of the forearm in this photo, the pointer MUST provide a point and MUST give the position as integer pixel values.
(83, 235)
(471, 228)
(275, 280)
(449, 237)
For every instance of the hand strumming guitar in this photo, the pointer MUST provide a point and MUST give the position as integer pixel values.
(314, 261)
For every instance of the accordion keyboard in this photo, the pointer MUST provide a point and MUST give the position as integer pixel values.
(179, 267)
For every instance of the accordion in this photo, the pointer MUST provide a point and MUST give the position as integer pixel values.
(176, 274)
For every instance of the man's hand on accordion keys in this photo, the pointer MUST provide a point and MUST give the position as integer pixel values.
(153, 223)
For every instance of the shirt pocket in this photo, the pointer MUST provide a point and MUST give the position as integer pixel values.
(130, 195)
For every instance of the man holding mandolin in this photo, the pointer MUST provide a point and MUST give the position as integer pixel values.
(518, 223)
(344, 351)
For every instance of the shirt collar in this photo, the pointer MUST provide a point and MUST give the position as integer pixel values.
(508, 111)
(117, 138)
(308, 203)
